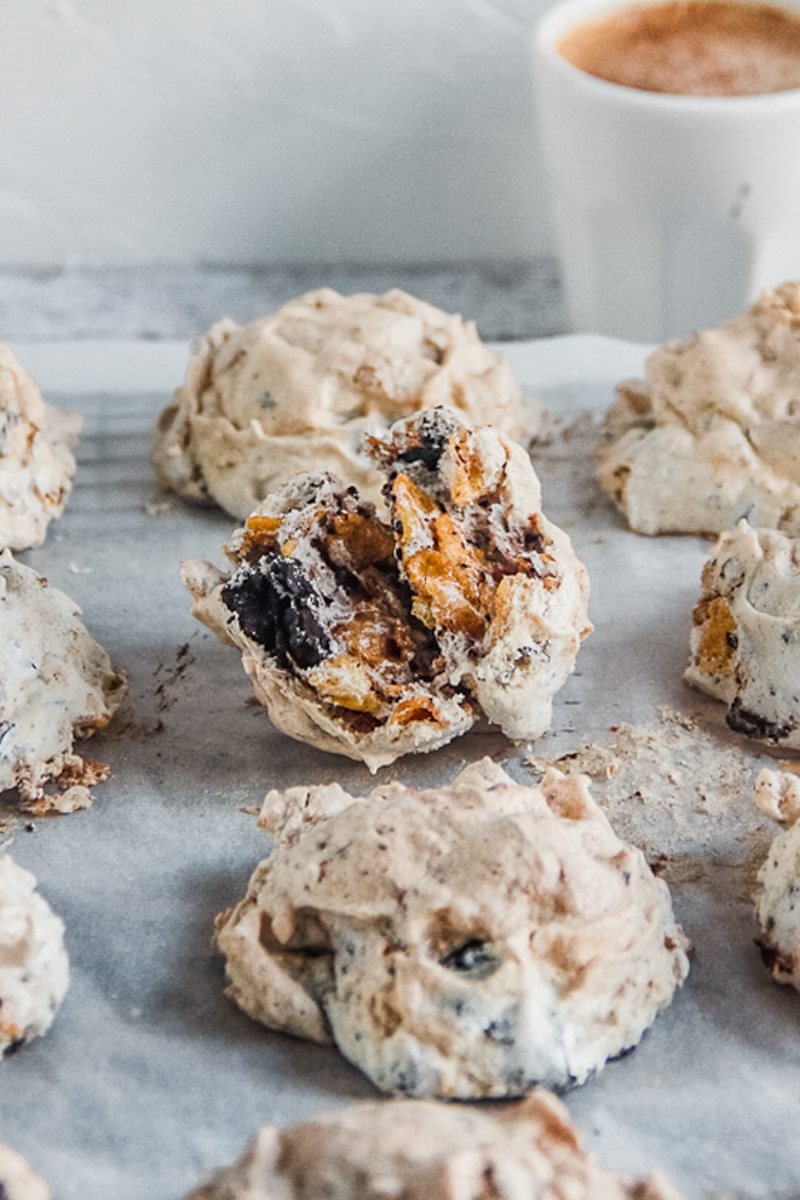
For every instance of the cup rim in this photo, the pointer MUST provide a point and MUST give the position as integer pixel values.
(557, 20)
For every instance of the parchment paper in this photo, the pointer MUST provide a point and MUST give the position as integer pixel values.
(149, 1077)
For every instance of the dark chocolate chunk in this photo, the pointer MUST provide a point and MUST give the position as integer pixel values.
(472, 958)
(278, 608)
(533, 541)
(500, 1031)
(754, 726)
(427, 453)
(434, 428)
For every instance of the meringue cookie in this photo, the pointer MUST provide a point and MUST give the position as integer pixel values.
(745, 643)
(34, 969)
(316, 607)
(420, 1150)
(373, 641)
(36, 460)
(296, 391)
(56, 683)
(17, 1180)
(777, 793)
(469, 941)
(713, 433)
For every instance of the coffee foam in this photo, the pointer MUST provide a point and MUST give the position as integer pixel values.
(691, 47)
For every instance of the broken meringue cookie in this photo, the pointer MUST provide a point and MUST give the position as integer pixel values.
(374, 641)
(34, 969)
(470, 941)
(56, 684)
(712, 434)
(777, 793)
(421, 1150)
(36, 459)
(296, 391)
(745, 642)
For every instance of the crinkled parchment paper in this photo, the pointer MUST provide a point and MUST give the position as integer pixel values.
(149, 1076)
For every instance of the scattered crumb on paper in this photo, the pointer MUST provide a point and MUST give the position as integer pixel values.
(160, 506)
(680, 792)
(170, 677)
(73, 799)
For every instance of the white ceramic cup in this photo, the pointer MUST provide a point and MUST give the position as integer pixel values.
(671, 212)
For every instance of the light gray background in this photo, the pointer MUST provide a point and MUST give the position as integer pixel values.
(268, 131)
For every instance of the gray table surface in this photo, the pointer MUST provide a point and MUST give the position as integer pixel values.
(507, 300)
(149, 1076)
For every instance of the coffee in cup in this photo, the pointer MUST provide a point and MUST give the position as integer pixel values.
(691, 47)
(672, 210)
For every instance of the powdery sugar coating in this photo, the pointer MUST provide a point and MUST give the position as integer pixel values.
(745, 641)
(420, 1150)
(36, 460)
(296, 391)
(56, 683)
(34, 971)
(713, 434)
(466, 942)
